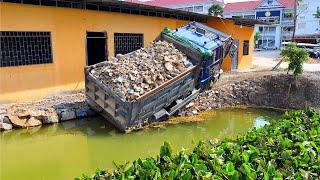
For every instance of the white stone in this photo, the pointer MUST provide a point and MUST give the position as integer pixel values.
(5, 126)
(68, 115)
(50, 117)
(33, 122)
(16, 121)
(190, 105)
(194, 111)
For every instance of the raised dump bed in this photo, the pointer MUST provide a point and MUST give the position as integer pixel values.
(128, 115)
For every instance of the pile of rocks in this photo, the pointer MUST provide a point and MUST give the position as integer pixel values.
(23, 118)
(136, 73)
(53, 109)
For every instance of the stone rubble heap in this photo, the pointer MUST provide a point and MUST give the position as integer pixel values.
(132, 75)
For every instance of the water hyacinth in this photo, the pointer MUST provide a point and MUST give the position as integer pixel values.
(286, 149)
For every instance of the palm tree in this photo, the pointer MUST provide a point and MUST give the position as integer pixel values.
(216, 10)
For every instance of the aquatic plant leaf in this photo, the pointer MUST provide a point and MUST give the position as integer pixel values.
(246, 156)
(165, 150)
(230, 168)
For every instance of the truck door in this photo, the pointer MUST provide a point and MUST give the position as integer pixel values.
(96, 47)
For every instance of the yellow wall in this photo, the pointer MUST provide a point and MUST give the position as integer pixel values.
(68, 32)
(239, 33)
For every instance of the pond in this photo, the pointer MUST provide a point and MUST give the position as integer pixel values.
(66, 150)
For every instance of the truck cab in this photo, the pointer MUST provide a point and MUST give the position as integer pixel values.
(204, 46)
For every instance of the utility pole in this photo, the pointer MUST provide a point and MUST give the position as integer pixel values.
(294, 20)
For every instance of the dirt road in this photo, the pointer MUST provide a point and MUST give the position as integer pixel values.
(266, 60)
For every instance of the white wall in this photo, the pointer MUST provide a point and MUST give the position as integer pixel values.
(206, 7)
(306, 22)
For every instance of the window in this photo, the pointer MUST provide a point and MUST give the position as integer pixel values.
(19, 48)
(245, 47)
(301, 25)
(127, 42)
(288, 15)
(236, 17)
(219, 53)
(260, 29)
(287, 29)
(272, 29)
(198, 9)
(190, 9)
(249, 17)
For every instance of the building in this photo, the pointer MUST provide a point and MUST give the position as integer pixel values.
(196, 6)
(45, 44)
(279, 13)
(308, 26)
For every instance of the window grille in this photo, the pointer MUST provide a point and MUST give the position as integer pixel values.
(127, 42)
(18, 48)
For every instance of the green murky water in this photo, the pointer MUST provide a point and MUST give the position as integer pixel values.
(66, 150)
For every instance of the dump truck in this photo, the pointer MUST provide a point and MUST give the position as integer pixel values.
(204, 47)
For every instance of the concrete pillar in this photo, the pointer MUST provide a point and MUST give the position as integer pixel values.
(278, 36)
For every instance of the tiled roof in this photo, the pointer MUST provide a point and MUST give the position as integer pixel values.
(168, 3)
(251, 5)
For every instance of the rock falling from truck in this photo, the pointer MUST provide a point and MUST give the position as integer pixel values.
(134, 74)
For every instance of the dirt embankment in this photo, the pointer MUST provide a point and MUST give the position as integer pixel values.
(260, 89)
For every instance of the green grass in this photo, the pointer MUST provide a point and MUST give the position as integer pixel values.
(286, 149)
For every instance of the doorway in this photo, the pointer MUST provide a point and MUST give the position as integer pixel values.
(96, 43)
(234, 58)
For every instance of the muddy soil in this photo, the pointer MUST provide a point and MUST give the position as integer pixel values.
(260, 89)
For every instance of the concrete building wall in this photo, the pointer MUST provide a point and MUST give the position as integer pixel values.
(194, 7)
(271, 12)
(240, 33)
(307, 24)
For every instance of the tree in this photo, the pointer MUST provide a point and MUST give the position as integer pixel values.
(216, 10)
(295, 56)
(257, 37)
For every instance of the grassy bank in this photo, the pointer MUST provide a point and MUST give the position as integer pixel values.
(288, 148)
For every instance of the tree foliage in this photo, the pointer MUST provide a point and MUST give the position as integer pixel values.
(286, 149)
(216, 10)
(257, 36)
(295, 56)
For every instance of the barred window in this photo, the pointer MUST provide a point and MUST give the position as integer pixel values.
(127, 42)
(19, 48)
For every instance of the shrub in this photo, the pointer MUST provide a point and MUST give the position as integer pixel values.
(216, 10)
(295, 56)
(288, 148)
